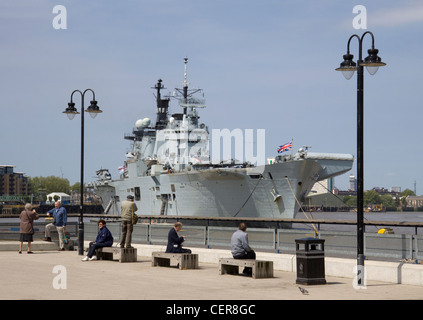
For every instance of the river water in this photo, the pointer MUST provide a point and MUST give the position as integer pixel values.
(368, 216)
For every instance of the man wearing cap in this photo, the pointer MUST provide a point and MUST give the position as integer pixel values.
(128, 208)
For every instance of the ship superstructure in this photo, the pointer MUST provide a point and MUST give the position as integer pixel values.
(169, 171)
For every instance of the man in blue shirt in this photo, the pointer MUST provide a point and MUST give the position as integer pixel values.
(60, 218)
(104, 239)
(240, 247)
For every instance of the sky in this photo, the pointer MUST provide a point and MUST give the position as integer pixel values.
(263, 64)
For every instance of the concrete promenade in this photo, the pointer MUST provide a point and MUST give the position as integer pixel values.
(50, 274)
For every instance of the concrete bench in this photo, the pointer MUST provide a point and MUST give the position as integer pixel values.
(124, 254)
(184, 260)
(260, 268)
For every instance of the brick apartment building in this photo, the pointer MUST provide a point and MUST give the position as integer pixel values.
(12, 183)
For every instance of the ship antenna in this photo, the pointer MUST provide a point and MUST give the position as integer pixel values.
(185, 93)
(159, 86)
(185, 79)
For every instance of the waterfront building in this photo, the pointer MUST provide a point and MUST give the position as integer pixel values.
(353, 183)
(12, 183)
(414, 201)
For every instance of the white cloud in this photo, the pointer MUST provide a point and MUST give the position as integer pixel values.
(394, 17)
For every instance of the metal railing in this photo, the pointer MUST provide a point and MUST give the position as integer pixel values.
(204, 232)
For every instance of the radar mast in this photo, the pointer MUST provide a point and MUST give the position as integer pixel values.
(187, 100)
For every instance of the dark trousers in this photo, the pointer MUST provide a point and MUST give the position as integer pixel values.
(247, 255)
(180, 250)
(126, 239)
(93, 246)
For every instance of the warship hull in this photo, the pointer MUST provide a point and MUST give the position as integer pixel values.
(269, 191)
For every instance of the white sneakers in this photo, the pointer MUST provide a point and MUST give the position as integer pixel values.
(91, 259)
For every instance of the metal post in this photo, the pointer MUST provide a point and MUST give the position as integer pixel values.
(71, 110)
(348, 67)
(360, 170)
(81, 205)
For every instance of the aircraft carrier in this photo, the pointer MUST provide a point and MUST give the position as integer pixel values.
(169, 170)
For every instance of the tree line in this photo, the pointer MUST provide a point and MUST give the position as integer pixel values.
(40, 187)
(373, 198)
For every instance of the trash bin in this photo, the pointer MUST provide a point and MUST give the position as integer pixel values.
(310, 261)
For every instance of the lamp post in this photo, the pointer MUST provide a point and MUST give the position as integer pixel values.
(71, 111)
(372, 62)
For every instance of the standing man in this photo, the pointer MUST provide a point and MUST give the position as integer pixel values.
(60, 218)
(128, 208)
(174, 242)
(240, 248)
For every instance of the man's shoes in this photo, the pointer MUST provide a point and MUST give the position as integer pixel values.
(62, 249)
(47, 239)
(90, 259)
(247, 271)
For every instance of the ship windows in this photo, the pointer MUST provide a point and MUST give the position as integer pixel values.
(137, 193)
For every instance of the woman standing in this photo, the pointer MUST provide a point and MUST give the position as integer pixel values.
(27, 226)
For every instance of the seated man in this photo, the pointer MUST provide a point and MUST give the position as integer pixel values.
(104, 239)
(240, 248)
(174, 242)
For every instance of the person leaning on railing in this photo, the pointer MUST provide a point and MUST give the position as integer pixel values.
(60, 218)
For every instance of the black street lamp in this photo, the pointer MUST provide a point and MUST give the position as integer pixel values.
(71, 111)
(348, 66)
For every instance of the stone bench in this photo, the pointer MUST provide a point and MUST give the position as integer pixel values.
(124, 254)
(260, 268)
(184, 260)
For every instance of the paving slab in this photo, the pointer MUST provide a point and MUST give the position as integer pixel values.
(61, 275)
